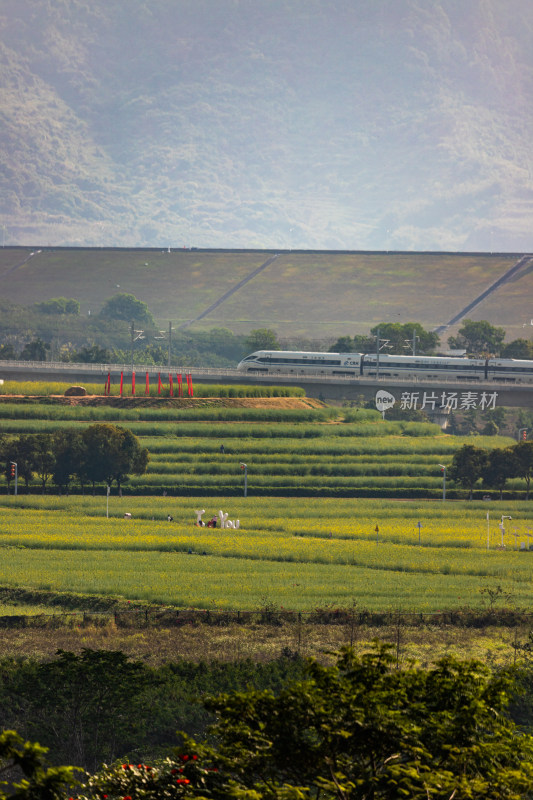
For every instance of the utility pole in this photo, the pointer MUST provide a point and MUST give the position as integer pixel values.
(135, 335)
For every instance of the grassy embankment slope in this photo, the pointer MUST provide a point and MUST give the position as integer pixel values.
(319, 296)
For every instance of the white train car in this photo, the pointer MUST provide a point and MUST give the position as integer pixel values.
(430, 367)
(510, 370)
(271, 362)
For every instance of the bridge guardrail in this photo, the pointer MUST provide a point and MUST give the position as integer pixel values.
(227, 372)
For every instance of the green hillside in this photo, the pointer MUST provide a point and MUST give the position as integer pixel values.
(316, 295)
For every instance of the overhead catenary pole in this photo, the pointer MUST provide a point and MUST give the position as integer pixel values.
(377, 354)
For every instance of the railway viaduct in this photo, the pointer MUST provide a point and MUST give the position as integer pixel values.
(430, 396)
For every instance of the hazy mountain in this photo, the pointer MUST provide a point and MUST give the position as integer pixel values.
(398, 124)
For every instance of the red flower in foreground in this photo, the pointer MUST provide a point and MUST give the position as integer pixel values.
(183, 780)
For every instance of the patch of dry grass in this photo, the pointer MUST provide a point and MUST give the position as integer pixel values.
(262, 643)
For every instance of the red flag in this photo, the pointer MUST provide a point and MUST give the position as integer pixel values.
(159, 384)
(180, 387)
(133, 384)
(121, 382)
(108, 385)
(147, 390)
(171, 385)
(189, 385)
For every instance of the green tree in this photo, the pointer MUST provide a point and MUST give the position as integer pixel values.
(7, 352)
(344, 344)
(364, 344)
(111, 453)
(128, 456)
(58, 306)
(478, 338)
(518, 348)
(35, 350)
(92, 354)
(43, 457)
(261, 339)
(467, 467)
(500, 466)
(68, 451)
(20, 450)
(87, 706)
(523, 452)
(126, 307)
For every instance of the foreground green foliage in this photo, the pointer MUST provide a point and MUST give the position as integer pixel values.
(33, 778)
(360, 729)
(355, 730)
(99, 706)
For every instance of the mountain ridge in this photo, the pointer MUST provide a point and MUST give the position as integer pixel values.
(285, 125)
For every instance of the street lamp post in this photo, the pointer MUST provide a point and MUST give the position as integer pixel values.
(244, 467)
(443, 468)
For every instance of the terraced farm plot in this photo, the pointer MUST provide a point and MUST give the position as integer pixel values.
(288, 451)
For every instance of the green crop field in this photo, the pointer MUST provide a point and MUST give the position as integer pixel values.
(299, 553)
(308, 294)
(309, 535)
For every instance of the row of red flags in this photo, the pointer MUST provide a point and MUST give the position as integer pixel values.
(179, 376)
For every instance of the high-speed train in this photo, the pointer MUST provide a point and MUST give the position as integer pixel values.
(508, 370)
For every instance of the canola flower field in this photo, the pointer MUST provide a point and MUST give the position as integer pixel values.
(299, 553)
